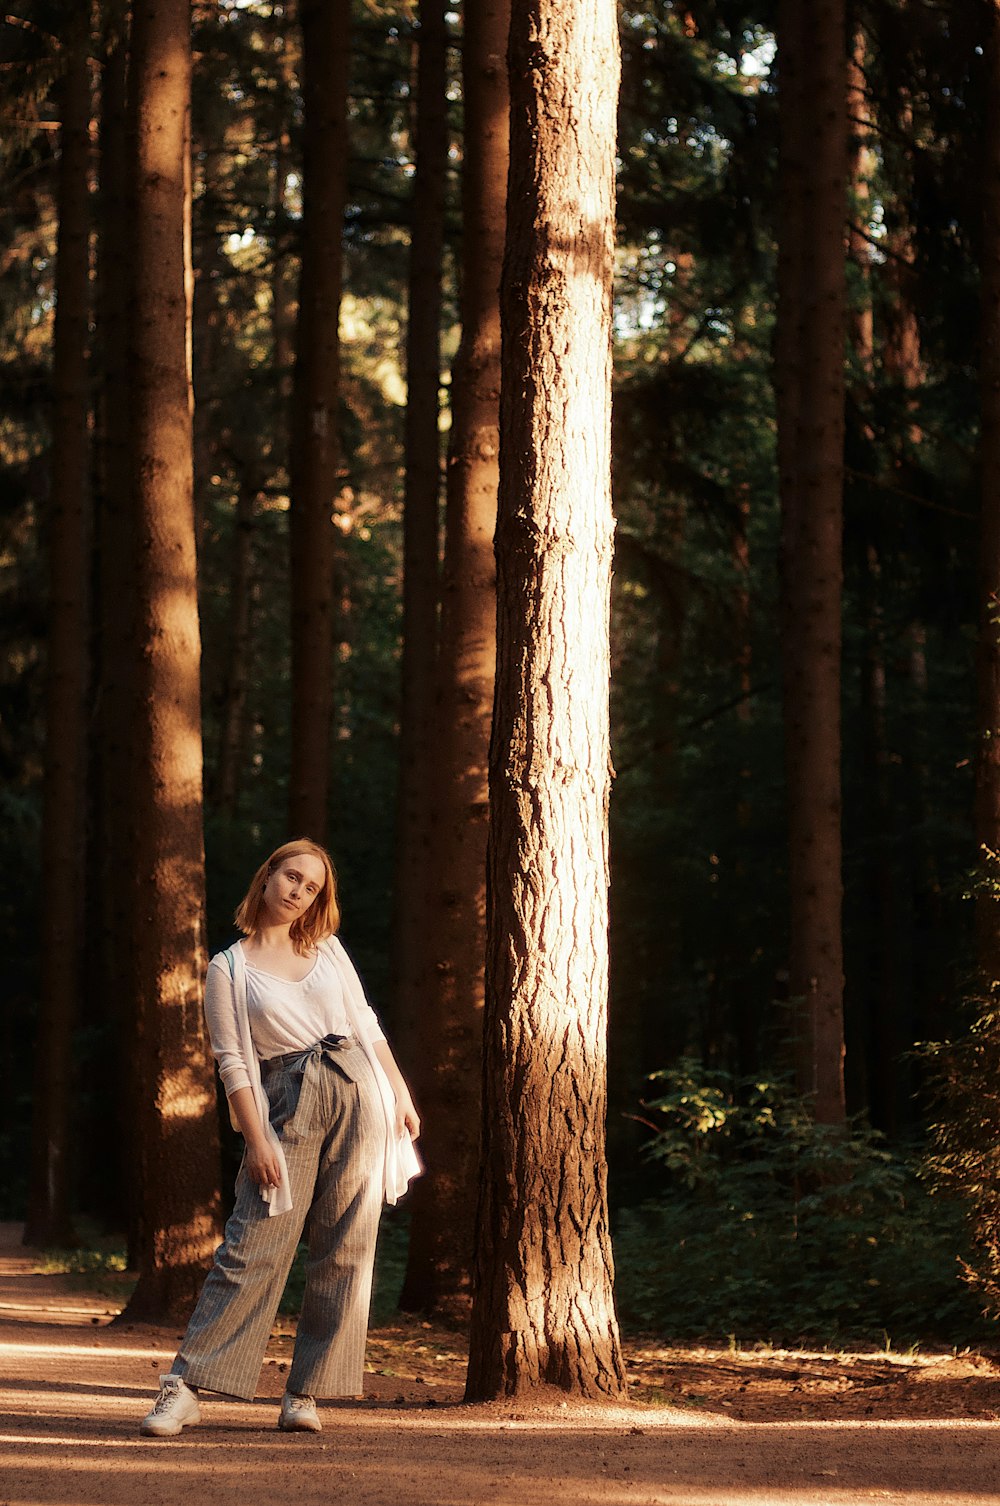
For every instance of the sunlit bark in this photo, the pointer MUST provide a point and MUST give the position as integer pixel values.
(452, 947)
(176, 1138)
(49, 1213)
(810, 392)
(543, 1310)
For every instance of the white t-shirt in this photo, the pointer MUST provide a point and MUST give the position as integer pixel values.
(283, 1016)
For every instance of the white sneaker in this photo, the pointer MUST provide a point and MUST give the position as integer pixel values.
(298, 1414)
(173, 1409)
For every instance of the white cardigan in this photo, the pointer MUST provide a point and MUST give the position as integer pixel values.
(401, 1160)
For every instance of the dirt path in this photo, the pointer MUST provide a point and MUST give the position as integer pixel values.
(712, 1428)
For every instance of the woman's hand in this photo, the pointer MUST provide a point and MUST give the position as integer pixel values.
(262, 1165)
(261, 1159)
(407, 1120)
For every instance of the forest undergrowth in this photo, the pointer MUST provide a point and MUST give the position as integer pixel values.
(760, 1227)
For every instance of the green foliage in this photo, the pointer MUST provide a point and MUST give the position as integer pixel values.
(964, 1160)
(769, 1226)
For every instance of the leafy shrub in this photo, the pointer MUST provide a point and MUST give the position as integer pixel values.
(964, 1159)
(772, 1227)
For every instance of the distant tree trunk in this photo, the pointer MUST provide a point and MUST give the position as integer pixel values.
(209, 333)
(114, 833)
(987, 811)
(49, 1218)
(902, 354)
(239, 660)
(879, 1006)
(315, 453)
(176, 1137)
(859, 171)
(543, 1310)
(282, 295)
(452, 950)
(420, 506)
(810, 384)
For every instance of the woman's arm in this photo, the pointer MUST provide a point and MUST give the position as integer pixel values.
(263, 1166)
(407, 1121)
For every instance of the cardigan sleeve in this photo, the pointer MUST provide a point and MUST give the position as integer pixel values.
(367, 1018)
(223, 1027)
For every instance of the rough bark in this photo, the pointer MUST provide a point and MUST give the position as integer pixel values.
(314, 427)
(176, 1138)
(987, 803)
(64, 790)
(452, 949)
(421, 500)
(543, 1311)
(810, 389)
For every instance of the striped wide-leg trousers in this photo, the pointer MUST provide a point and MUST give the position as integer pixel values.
(325, 1105)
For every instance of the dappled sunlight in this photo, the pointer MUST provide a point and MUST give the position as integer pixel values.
(71, 1411)
(75, 1351)
(187, 1094)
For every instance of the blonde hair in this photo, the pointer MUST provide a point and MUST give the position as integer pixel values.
(315, 924)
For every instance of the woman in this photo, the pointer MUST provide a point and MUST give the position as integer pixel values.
(328, 1123)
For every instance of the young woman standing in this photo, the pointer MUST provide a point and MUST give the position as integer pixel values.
(328, 1123)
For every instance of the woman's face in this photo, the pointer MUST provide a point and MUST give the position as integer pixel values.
(292, 887)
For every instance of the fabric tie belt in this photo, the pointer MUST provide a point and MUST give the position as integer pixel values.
(299, 1060)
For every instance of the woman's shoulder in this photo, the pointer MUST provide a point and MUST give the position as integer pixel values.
(332, 944)
(225, 959)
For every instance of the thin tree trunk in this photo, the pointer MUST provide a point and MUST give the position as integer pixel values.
(902, 353)
(114, 834)
(315, 411)
(209, 333)
(49, 1218)
(176, 1135)
(880, 1005)
(987, 806)
(810, 354)
(420, 507)
(543, 1310)
(452, 950)
(859, 170)
(232, 720)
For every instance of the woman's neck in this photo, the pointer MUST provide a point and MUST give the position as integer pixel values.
(272, 938)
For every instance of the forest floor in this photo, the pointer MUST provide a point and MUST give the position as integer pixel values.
(706, 1427)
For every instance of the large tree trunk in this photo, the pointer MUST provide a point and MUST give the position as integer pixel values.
(315, 411)
(452, 950)
(176, 1135)
(411, 913)
(49, 1211)
(988, 660)
(810, 390)
(543, 1311)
